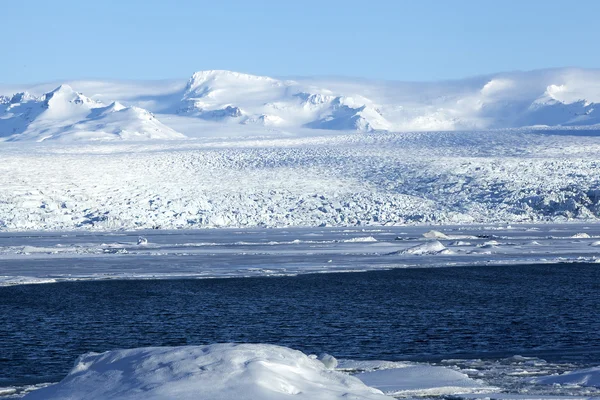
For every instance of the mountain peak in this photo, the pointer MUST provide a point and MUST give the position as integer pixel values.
(21, 97)
(203, 82)
(64, 88)
(65, 94)
(64, 114)
(220, 74)
(116, 106)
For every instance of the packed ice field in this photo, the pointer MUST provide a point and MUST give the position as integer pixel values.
(382, 179)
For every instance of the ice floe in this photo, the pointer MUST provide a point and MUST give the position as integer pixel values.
(583, 377)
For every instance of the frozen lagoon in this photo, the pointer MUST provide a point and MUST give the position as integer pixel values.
(47, 257)
(212, 253)
(454, 330)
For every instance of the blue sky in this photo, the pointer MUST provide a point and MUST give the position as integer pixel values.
(402, 40)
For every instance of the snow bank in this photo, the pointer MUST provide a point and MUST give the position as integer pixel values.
(583, 377)
(420, 380)
(220, 371)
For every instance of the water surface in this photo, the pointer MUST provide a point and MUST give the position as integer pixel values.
(548, 311)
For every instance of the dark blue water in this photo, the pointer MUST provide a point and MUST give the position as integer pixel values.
(550, 311)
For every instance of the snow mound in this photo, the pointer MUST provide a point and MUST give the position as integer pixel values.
(64, 114)
(220, 371)
(583, 377)
(421, 380)
(433, 247)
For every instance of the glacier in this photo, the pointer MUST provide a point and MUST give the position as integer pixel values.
(358, 179)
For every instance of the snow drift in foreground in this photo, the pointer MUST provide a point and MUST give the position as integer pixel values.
(221, 371)
(260, 371)
(583, 377)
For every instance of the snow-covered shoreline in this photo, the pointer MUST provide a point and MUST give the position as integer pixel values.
(47, 257)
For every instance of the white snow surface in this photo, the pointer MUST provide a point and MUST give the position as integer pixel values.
(250, 105)
(583, 377)
(421, 380)
(220, 371)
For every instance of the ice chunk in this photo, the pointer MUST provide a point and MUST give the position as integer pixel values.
(460, 243)
(435, 235)
(433, 247)
(581, 235)
(328, 360)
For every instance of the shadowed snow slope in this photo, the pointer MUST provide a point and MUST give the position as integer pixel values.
(557, 97)
(222, 371)
(64, 114)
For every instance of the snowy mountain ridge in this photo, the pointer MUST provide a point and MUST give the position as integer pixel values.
(250, 99)
(225, 101)
(64, 113)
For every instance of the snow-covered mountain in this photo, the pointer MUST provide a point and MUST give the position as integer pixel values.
(225, 103)
(65, 114)
(249, 99)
